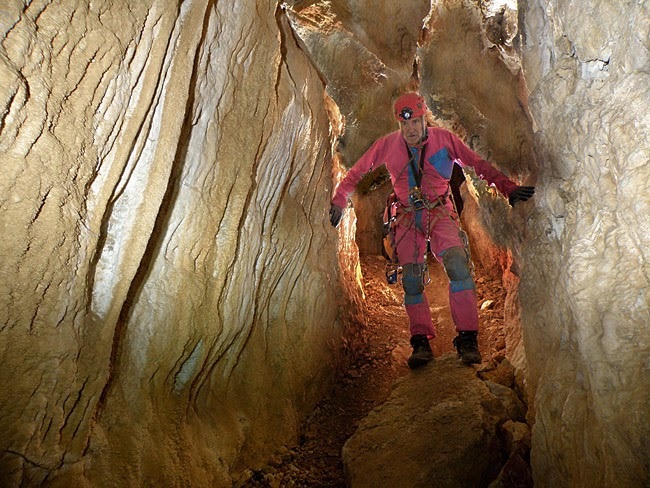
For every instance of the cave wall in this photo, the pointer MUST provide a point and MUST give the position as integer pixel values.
(364, 60)
(585, 290)
(170, 285)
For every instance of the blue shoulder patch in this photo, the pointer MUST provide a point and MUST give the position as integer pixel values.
(443, 163)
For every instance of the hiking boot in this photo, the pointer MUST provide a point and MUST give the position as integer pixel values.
(422, 352)
(467, 347)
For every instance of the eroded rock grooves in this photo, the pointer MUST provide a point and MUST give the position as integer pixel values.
(173, 299)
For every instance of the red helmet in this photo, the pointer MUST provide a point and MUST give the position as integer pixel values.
(410, 105)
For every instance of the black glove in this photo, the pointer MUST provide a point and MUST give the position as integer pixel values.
(521, 194)
(335, 215)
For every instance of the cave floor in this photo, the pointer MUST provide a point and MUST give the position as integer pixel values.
(316, 461)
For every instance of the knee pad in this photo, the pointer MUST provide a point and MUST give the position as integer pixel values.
(456, 265)
(412, 278)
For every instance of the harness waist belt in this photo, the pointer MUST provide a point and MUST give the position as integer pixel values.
(425, 205)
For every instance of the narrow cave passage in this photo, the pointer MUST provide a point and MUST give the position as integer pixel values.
(171, 285)
(381, 361)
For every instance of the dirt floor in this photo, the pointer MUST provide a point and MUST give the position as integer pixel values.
(316, 462)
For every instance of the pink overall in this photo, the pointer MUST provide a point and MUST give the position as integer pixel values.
(415, 227)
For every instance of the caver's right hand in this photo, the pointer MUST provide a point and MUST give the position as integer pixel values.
(336, 213)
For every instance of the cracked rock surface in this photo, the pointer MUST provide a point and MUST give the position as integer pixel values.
(173, 300)
(165, 176)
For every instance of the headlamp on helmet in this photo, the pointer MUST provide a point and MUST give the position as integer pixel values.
(410, 105)
(406, 113)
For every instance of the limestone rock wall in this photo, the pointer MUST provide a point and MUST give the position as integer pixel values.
(170, 300)
(169, 280)
(585, 290)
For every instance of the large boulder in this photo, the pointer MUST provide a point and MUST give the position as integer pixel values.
(440, 427)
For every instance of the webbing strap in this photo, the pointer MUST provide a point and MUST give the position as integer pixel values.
(417, 172)
(425, 206)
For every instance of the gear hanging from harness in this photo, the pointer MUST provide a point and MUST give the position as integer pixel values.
(395, 212)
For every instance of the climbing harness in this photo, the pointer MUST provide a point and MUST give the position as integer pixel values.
(395, 213)
(388, 230)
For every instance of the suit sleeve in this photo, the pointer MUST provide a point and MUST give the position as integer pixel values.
(370, 160)
(483, 168)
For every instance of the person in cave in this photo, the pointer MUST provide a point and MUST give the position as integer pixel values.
(420, 160)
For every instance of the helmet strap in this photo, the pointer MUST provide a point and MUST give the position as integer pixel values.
(424, 134)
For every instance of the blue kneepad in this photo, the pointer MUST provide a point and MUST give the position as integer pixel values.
(412, 283)
(457, 268)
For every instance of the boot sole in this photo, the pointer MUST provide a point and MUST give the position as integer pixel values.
(414, 363)
(471, 359)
